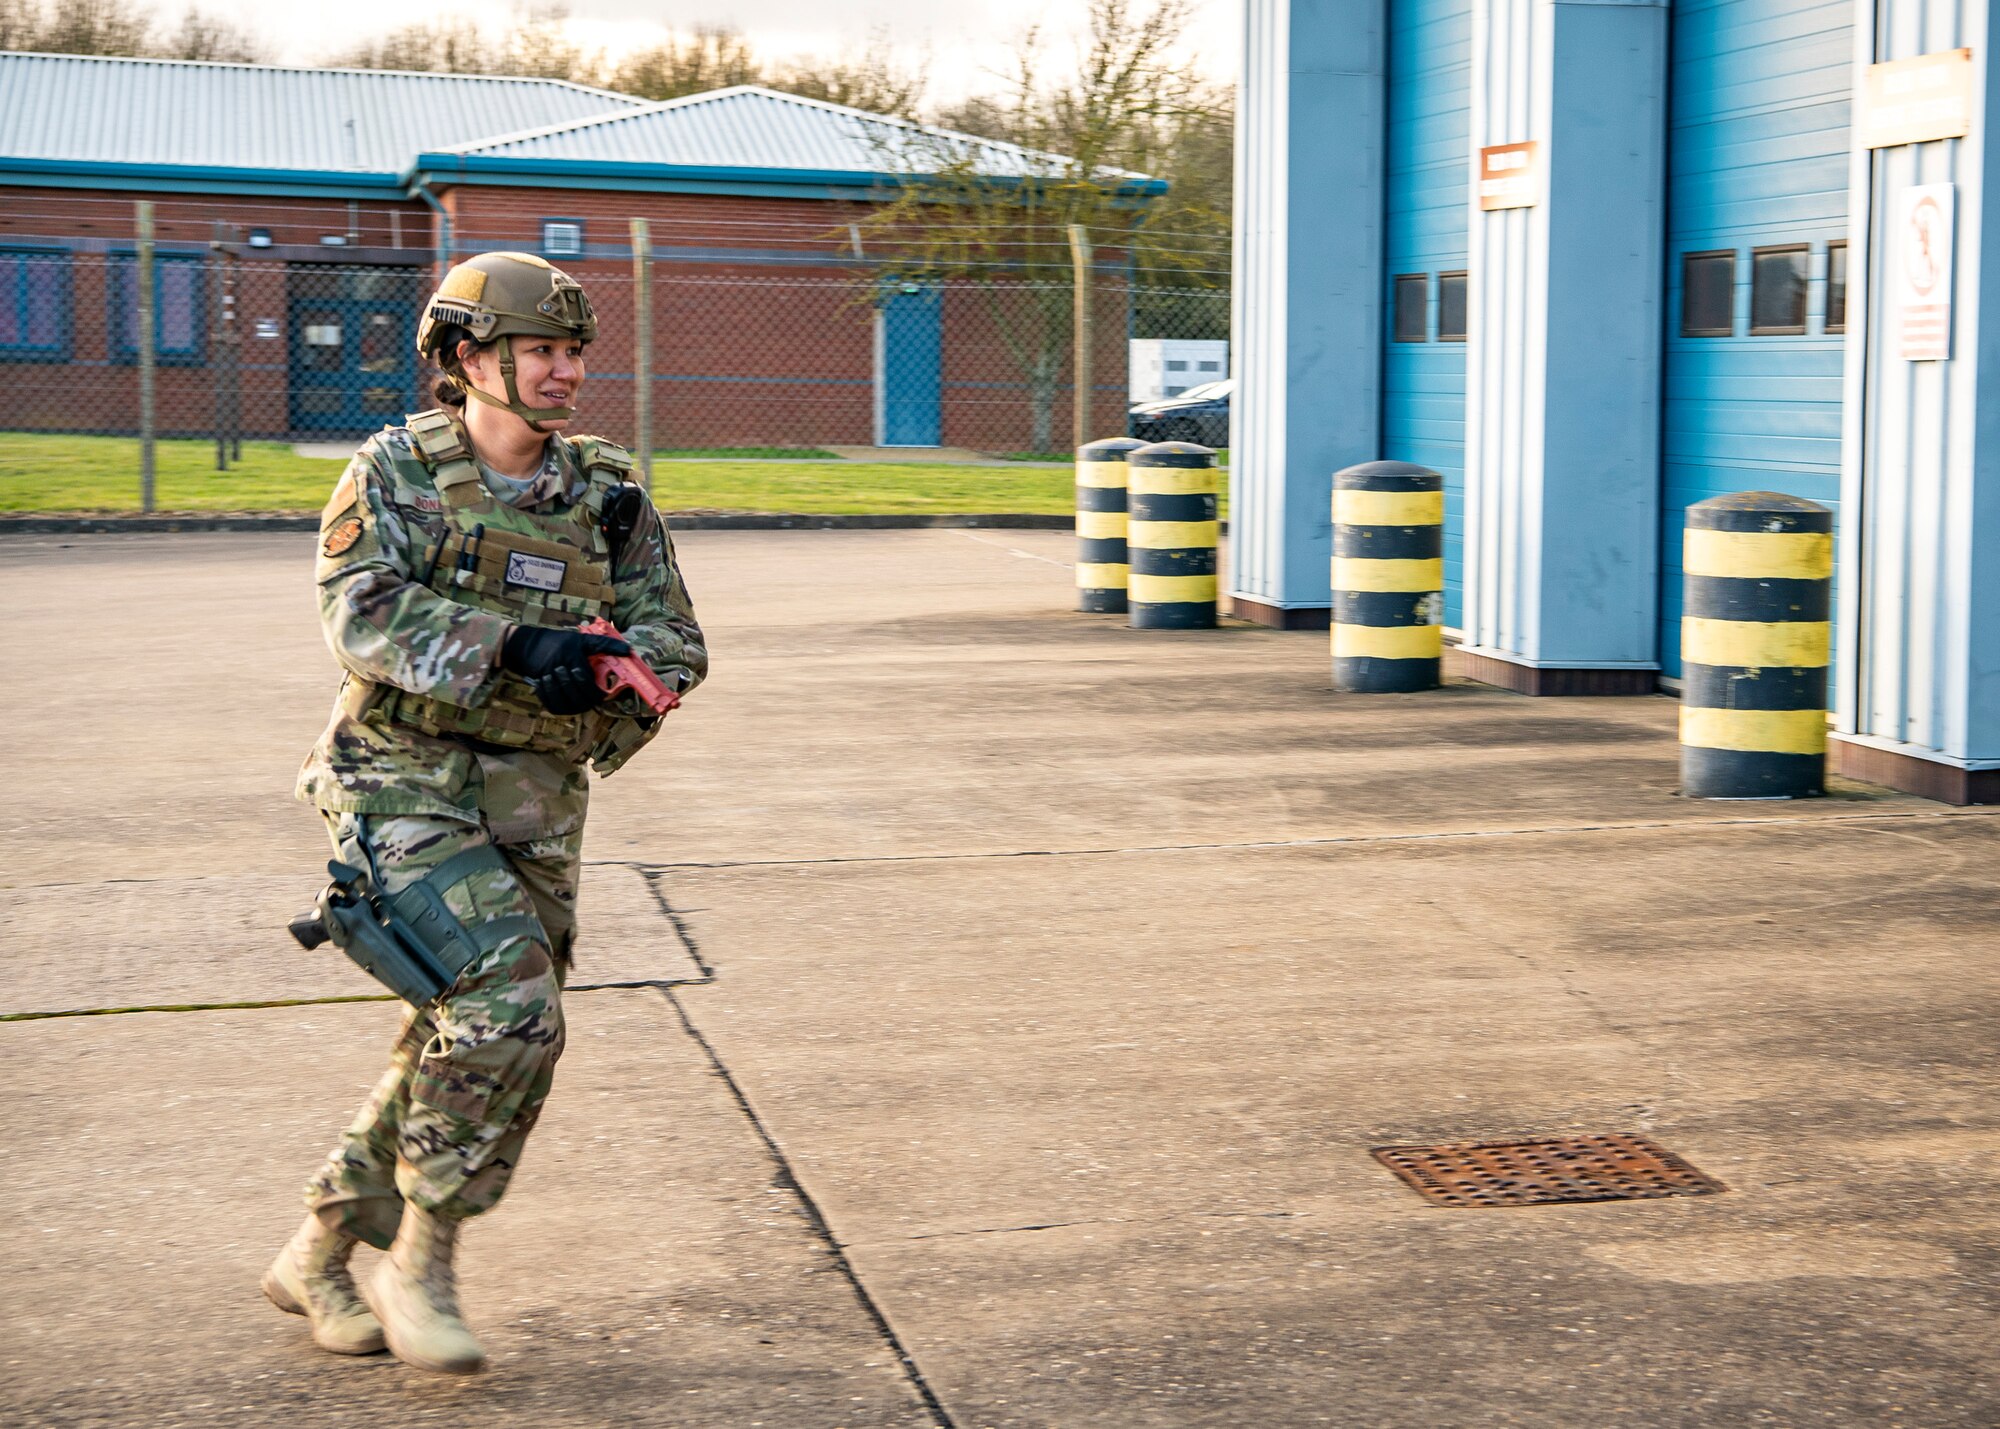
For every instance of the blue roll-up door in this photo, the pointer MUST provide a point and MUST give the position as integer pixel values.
(910, 367)
(1423, 376)
(1757, 178)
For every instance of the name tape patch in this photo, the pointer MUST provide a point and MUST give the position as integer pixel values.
(535, 572)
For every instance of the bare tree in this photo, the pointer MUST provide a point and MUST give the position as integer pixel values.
(76, 27)
(1090, 144)
(448, 46)
(712, 57)
(204, 37)
(868, 77)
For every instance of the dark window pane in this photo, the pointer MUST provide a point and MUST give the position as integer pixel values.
(1836, 287)
(1451, 307)
(178, 320)
(1708, 294)
(1412, 296)
(13, 299)
(1778, 290)
(180, 308)
(46, 278)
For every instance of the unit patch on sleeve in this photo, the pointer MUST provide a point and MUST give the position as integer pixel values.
(535, 572)
(341, 537)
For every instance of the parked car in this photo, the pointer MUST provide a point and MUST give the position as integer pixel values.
(1200, 414)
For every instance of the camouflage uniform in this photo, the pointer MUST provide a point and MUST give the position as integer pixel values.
(445, 1126)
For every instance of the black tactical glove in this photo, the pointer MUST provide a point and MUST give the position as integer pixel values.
(556, 665)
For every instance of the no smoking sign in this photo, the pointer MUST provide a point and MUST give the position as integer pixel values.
(1923, 272)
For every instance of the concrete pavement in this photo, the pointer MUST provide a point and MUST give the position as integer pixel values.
(1027, 994)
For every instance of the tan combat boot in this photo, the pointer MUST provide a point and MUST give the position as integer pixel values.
(416, 1297)
(310, 1278)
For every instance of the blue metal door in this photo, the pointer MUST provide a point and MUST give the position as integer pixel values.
(1423, 368)
(1756, 228)
(352, 347)
(910, 366)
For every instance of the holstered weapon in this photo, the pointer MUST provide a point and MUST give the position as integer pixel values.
(408, 941)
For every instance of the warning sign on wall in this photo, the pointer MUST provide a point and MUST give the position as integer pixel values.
(1916, 100)
(1509, 177)
(1920, 253)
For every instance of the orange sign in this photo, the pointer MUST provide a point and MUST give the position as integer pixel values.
(1916, 100)
(1510, 176)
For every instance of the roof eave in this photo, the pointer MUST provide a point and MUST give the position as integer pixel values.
(498, 168)
(198, 178)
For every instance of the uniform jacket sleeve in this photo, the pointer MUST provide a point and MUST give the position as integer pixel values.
(653, 612)
(381, 623)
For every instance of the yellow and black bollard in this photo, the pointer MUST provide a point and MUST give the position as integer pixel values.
(1172, 536)
(1388, 578)
(1756, 639)
(1100, 524)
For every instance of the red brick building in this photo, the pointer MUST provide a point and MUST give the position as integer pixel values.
(299, 218)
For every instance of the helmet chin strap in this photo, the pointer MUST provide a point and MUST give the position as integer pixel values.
(533, 416)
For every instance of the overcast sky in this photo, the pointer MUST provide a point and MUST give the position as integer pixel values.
(963, 40)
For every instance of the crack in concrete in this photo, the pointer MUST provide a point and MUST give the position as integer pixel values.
(1337, 840)
(646, 875)
(1087, 1221)
(787, 1177)
(1220, 846)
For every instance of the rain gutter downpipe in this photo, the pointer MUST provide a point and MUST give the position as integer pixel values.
(420, 186)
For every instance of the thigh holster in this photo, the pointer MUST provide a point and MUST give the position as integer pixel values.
(410, 941)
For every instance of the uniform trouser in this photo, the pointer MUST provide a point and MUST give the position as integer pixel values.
(445, 1126)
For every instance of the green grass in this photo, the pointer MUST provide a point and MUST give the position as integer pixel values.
(882, 488)
(56, 473)
(761, 453)
(65, 473)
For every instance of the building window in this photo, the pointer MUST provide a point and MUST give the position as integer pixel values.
(178, 328)
(1836, 287)
(1778, 290)
(1708, 294)
(34, 305)
(1451, 307)
(562, 237)
(1412, 295)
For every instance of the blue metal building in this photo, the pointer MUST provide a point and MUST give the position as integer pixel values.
(1698, 283)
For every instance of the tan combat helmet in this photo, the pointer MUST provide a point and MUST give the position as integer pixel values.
(500, 296)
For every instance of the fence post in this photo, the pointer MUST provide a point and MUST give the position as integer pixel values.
(1079, 257)
(218, 342)
(642, 349)
(143, 280)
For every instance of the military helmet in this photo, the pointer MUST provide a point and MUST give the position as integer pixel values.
(497, 297)
(496, 294)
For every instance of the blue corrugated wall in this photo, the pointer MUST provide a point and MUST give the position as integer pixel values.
(1757, 156)
(1423, 383)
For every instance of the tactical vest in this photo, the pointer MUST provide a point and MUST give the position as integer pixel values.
(534, 569)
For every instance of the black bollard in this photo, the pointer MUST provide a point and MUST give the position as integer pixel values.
(1756, 639)
(1101, 562)
(1388, 578)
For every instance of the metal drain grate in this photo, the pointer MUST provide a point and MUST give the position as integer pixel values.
(1532, 1173)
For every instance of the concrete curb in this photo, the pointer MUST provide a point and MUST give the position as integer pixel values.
(110, 525)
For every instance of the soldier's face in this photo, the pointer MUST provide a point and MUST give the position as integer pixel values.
(548, 372)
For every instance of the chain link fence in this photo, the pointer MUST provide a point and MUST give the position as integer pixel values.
(795, 353)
